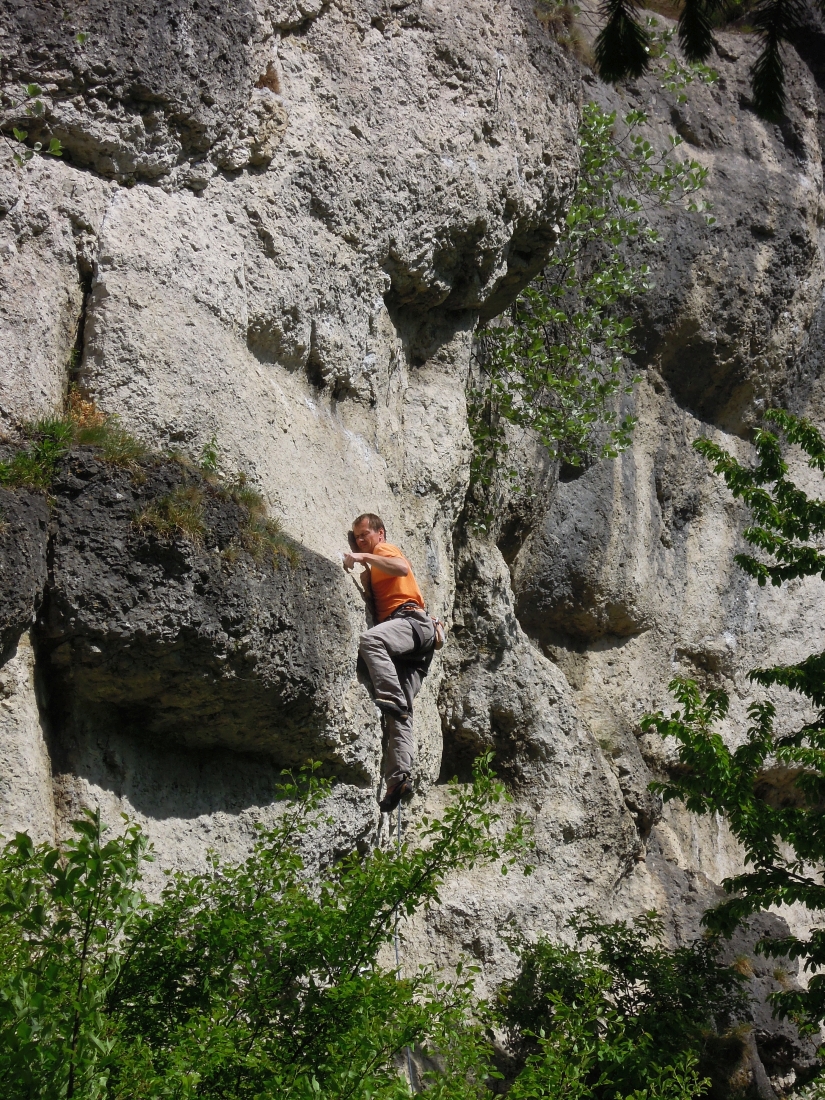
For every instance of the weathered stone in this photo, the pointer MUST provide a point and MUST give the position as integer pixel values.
(23, 535)
(279, 225)
(187, 638)
(26, 778)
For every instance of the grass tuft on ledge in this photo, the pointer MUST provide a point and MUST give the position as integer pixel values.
(180, 512)
(261, 536)
(50, 438)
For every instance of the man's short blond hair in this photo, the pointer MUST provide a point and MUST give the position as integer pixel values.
(375, 522)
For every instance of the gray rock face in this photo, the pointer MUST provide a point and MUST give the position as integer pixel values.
(146, 89)
(23, 521)
(733, 303)
(128, 615)
(279, 225)
(263, 644)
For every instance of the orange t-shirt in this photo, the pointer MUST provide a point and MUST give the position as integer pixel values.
(389, 592)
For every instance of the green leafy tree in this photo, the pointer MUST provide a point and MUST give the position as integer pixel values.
(589, 1054)
(639, 1015)
(556, 362)
(264, 979)
(64, 916)
(258, 979)
(783, 839)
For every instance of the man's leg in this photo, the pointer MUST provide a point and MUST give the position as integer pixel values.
(378, 646)
(401, 742)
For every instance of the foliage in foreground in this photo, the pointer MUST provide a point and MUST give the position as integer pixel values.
(263, 979)
(258, 979)
(556, 362)
(782, 832)
(646, 1009)
(641, 1019)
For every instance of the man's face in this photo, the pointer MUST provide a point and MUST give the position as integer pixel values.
(365, 538)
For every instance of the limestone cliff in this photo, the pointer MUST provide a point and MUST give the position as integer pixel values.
(279, 225)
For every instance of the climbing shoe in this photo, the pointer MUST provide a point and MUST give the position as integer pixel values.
(394, 795)
(388, 707)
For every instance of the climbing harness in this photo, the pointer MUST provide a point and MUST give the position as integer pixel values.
(421, 655)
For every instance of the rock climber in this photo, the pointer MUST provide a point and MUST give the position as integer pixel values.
(397, 650)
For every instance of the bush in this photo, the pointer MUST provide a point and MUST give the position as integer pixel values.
(258, 979)
(263, 979)
(631, 1006)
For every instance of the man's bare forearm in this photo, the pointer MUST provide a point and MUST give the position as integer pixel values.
(396, 567)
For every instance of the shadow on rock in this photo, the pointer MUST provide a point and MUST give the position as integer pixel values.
(184, 638)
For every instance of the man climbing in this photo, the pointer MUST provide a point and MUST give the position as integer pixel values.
(397, 650)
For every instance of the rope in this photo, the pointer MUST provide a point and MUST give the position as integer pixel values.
(398, 954)
(396, 938)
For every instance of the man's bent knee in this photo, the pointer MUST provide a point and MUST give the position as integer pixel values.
(368, 641)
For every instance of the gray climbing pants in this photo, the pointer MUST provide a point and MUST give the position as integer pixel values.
(397, 681)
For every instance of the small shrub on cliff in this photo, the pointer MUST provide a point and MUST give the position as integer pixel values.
(29, 102)
(783, 838)
(263, 537)
(555, 365)
(94, 428)
(559, 17)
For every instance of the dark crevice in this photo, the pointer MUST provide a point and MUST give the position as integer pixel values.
(314, 364)
(43, 681)
(75, 364)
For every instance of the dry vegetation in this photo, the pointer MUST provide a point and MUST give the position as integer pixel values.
(560, 19)
(180, 513)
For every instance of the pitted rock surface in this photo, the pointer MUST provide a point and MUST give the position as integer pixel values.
(181, 640)
(23, 541)
(279, 226)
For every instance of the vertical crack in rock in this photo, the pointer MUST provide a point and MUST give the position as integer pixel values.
(74, 367)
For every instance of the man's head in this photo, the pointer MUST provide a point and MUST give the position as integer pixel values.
(368, 531)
